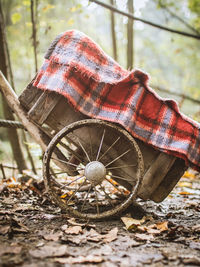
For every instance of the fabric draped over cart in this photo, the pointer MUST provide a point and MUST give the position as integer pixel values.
(76, 67)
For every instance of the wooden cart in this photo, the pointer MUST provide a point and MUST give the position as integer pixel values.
(93, 168)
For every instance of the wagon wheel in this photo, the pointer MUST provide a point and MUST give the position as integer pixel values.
(107, 165)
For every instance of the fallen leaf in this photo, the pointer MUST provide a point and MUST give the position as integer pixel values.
(190, 259)
(162, 226)
(18, 227)
(188, 174)
(185, 184)
(185, 193)
(4, 249)
(4, 229)
(94, 236)
(64, 227)
(77, 239)
(74, 230)
(49, 251)
(80, 259)
(196, 228)
(144, 237)
(72, 221)
(153, 231)
(52, 236)
(194, 245)
(111, 235)
(131, 223)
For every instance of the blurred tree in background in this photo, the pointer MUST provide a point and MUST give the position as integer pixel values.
(172, 60)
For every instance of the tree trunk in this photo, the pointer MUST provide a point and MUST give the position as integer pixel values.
(114, 42)
(130, 37)
(34, 30)
(12, 133)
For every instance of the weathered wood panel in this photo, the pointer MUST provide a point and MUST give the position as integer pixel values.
(169, 181)
(29, 96)
(43, 107)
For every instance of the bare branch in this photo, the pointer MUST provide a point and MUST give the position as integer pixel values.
(161, 89)
(146, 21)
(179, 18)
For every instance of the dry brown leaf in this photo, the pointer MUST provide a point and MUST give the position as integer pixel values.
(188, 174)
(74, 230)
(153, 231)
(64, 227)
(77, 239)
(196, 228)
(53, 236)
(80, 259)
(72, 221)
(162, 226)
(142, 228)
(4, 249)
(94, 236)
(50, 251)
(111, 235)
(17, 226)
(4, 229)
(131, 223)
(144, 237)
(190, 259)
(185, 193)
(185, 184)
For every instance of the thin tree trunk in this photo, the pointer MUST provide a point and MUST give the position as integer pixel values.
(34, 30)
(114, 41)
(4, 65)
(130, 37)
(28, 152)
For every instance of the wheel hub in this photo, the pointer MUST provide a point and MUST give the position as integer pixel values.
(95, 172)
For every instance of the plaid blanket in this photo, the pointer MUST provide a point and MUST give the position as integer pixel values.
(96, 85)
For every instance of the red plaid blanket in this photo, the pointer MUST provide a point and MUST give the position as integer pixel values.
(97, 86)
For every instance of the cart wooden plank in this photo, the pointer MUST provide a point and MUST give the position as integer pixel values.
(43, 106)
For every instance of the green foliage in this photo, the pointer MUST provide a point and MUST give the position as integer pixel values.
(16, 17)
(194, 6)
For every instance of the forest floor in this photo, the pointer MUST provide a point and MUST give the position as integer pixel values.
(33, 231)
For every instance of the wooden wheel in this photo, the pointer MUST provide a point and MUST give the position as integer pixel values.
(97, 172)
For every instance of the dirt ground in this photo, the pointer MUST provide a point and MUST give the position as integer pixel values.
(33, 231)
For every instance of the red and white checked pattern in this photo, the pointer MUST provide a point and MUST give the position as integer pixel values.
(96, 85)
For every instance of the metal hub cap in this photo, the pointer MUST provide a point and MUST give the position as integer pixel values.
(95, 172)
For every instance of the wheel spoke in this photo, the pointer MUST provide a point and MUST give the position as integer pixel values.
(72, 181)
(69, 163)
(71, 151)
(86, 198)
(109, 148)
(100, 146)
(91, 151)
(121, 167)
(114, 186)
(75, 191)
(106, 194)
(66, 172)
(97, 204)
(75, 165)
(83, 149)
(118, 157)
(119, 177)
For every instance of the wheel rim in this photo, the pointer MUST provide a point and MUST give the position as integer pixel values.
(99, 153)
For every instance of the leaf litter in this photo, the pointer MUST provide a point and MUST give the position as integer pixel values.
(33, 231)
